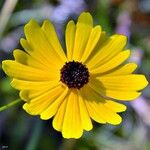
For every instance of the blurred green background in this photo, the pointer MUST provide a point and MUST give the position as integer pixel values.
(20, 131)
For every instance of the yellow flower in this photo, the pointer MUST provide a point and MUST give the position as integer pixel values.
(76, 86)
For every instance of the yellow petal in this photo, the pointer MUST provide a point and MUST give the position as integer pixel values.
(124, 83)
(113, 63)
(51, 35)
(59, 117)
(72, 126)
(108, 50)
(28, 95)
(85, 118)
(53, 107)
(117, 94)
(27, 47)
(114, 106)
(24, 95)
(33, 94)
(83, 30)
(93, 39)
(97, 109)
(33, 52)
(94, 112)
(37, 105)
(40, 44)
(92, 109)
(70, 36)
(123, 95)
(20, 71)
(23, 58)
(123, 70)
(32, 85)
(102, 39)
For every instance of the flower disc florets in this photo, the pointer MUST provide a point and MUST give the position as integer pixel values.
(74, 74)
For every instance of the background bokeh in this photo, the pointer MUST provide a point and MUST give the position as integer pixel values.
(20, 131)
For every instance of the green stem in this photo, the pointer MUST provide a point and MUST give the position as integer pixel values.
(10, 105)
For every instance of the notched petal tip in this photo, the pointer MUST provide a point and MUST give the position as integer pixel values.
(24, 95)
(43, 117)
(15, 52)
(5, 66)
(84, 14)
(22, 40)
(47, 22)
(115, 106)
(128, 51)
(117, 121)
(144, 81)
(31, 22)
(134, 66)
(70, 24)
(25, 107)
(123, 38)
(86, 18)
(124, 108)
(99, 28)
(47, 25)
(120, 36)
(31, 25)
(73, 135)
(140, 80)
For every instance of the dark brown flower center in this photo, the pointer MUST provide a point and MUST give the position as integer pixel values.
(74, 74)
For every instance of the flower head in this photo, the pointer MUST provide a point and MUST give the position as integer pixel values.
(76, 86)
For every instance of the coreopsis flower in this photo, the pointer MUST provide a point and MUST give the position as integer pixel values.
(77, 84)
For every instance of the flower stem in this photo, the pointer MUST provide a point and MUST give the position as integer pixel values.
(10, 105)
